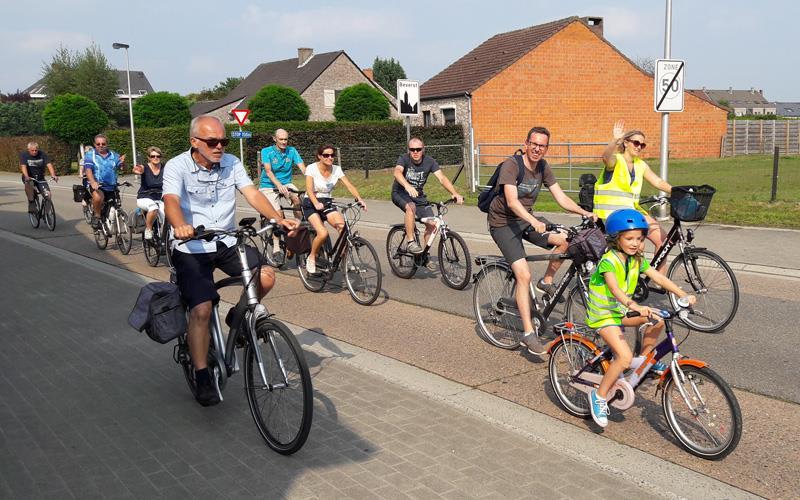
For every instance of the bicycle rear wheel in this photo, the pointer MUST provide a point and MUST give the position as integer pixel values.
(712, 281)
(708, 423)
(454, 261)
(124, 232)
(403, 264)
(363, 271)
(283, 407)
(495, 307)
(87, 212)
(35, 218)
(566, 358)
(49, 214)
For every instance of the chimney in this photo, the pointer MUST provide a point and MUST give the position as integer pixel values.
(368, 72)
(752, 90)
(303, 56)
(730, 90)
(595, 24)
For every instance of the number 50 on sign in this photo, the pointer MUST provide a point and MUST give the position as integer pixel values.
(669, 85)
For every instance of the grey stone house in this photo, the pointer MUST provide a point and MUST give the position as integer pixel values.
(318, 78)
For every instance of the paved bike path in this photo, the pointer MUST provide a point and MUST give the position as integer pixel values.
(91, 408)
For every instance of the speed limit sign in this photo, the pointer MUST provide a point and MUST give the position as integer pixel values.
(669, 85)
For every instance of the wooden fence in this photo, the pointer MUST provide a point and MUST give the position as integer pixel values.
(746, 137)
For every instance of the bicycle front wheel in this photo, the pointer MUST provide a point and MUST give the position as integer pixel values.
(705, 415)
(100, 236)
(124, 232)
(454, 261)
(166, 243)
(311, 282)
(566, 358)
(363, 271)
(575, 308)
(496, 308)
(704, 274)
(403, 264)
(151, 250)
(87, 212)
(35, 218)
(49, 214)
(281, 401)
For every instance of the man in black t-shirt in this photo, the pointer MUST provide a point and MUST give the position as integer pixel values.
(410, 175)
(31, 164)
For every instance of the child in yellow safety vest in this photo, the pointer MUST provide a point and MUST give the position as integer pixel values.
(610, 290)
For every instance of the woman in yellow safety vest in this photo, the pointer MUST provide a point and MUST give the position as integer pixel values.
(623, 176)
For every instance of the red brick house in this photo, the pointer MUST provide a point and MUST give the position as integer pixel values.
(563, 75)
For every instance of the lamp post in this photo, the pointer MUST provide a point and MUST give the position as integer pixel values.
(125, 46)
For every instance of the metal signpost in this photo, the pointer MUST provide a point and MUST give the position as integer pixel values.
(408, 102)
(241, 116)
(668, 89)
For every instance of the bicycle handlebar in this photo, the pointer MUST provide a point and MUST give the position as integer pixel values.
(661, 200)
(683, 305)
(295, 191)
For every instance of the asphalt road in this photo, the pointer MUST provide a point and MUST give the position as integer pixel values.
(422, 322)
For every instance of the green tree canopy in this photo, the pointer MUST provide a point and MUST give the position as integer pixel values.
(73, 118)
(278, 103)
(84, 73)
(361, 102)
(21, 118)
(222, 89)
(387, 72)
(161, 109)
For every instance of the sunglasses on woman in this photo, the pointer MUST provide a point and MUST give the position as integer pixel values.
(327, 155)
(155, 156)
(638, 144)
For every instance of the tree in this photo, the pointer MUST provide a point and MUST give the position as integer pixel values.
(646, 64)
(21, 118)
(387, 72)
(222, 89)
(161, 109)
(17, 96)
(361, 102)
(278, 103)
(73, 118)
(84, 73)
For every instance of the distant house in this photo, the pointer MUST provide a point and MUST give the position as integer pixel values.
(741, 102)
(787, 109)
(563, 75)
(318, 78)
(139, 86)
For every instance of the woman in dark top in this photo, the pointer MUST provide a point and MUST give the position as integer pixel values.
(149, 197)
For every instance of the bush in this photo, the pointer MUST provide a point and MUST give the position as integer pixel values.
(278, 103)
(363, 145)
(58, 151)
(73, 118)
(361, 102)
(161, 109)
(21, 118)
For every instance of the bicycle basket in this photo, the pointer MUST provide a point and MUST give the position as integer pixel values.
(589, 244)
(690, 203)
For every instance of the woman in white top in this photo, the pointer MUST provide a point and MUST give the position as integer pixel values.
(321, 178)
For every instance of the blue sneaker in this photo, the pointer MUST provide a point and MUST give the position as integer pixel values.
(659, 368)
(599, 409)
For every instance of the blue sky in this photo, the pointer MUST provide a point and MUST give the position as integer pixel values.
(185, 46)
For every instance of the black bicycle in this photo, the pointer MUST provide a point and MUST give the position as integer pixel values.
(277, 382)
(43, 202)
(454, 260)
(362, 269)
(114, 221)
(494, 297)
(277, 257)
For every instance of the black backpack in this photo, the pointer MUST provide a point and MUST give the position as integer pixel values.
(492, 189)
(586, 183)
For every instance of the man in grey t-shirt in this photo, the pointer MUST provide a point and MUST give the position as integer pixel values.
(410, 175)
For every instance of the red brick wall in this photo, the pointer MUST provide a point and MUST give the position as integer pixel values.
(577, 85)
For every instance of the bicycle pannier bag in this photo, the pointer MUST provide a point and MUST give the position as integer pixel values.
(78, 193)
(589, 244)
(586, 183)
(137, 222)
(159, 311)
(493, 190)
(301, 242)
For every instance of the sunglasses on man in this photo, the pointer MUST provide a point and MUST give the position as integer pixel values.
(214, 142)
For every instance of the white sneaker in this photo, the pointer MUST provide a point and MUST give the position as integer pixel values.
(311, 266)
(148, 234)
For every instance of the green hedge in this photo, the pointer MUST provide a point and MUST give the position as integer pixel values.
(21, 118)
(58, 152)
(362, 145)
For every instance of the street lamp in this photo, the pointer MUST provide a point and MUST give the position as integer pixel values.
(125, 46)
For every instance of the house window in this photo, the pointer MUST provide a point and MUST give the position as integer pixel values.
(329, 97)
(426, 118)
(449, 116)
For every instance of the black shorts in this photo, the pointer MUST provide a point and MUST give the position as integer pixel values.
(195, 271)
(402, 198)
(509, 239)
(309, 209)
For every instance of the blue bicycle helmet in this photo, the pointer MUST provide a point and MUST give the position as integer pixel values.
(625, 219)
